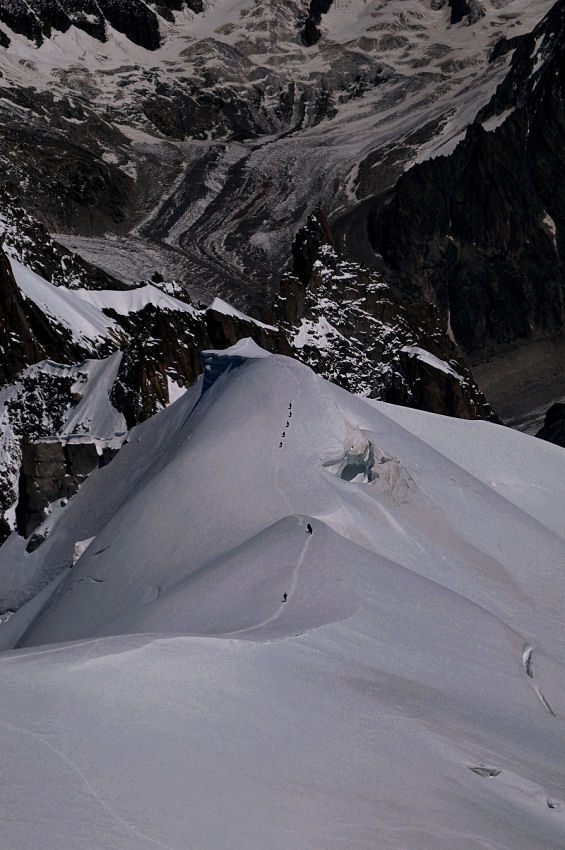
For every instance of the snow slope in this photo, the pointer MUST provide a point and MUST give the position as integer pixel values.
(87, 325)
(410, 691)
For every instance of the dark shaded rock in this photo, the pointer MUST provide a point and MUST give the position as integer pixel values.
(35, 406)
(311, 34)
(37, 18)
(164, 343)
(5, 530)
(134, 19)
(503, 46)
(41, 405)
(417, 383)
(480, 232)
(28, 241)
(307, 244)
(50, 470)
(26, 334)
(51, 14)
(141, 388)
(108, 454)
(187, 112)
(168, 345)
(35, 540)
(473, 10)
(21, 19)
(227, 329)
(554, 426)
(350, 326)
(90, 20)
(67, 184)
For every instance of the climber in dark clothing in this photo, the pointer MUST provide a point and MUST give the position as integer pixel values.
(285, 597)
(308, 528)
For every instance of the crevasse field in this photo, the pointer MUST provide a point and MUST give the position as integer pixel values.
(410, 692)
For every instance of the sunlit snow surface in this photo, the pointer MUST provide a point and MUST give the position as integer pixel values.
(408, 694)
(87, 325)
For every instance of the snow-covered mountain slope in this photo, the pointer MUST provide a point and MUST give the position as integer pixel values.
(410, 690)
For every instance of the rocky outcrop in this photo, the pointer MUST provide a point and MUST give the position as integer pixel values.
(27, 240)
(34, 406)
(52, 470)
(470, 10)
(26, 334)
(347, 323)
(311, 34)
(37, 19)
(166, 348)
(480, 232)
(141, 388)
(554, 426)
(66, 182)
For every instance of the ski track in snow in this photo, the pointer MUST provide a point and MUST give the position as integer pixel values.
(280, 448)
(18, 654)
(278, 612)
(544, 701)
(87, 784)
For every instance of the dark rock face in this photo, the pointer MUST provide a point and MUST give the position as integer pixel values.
(349, 325)
(168, 345)
(26, 335)
(34, 407)
(141, 388)
(311, 34)
(306, 246)
(133, 18)
(51, 470)
(20, 18)
(554, 426)
(37, 19)
(65, 183)
(28, 241)
(480, 232)
(470, 9)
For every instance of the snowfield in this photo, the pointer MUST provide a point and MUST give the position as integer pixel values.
(410, 691)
